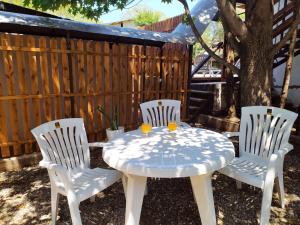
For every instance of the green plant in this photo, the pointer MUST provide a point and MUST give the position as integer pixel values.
(146, 17)
(113, 120)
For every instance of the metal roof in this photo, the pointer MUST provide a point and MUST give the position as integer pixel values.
(14, 22)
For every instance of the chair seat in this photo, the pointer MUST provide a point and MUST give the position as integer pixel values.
(88, 182)
(247, 171)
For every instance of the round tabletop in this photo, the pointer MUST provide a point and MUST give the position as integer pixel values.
(183, 153)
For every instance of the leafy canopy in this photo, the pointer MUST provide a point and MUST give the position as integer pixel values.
(146, 17)
(61, 11)
(91, 9)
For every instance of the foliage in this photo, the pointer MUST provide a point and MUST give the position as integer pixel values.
(146, 17)
(87, 8)
(62, 11)
(212, 35)
(113, 120)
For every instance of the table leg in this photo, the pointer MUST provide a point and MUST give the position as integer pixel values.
(134, 198)
(204, 197)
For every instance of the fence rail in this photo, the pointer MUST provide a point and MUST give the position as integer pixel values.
(43, 79)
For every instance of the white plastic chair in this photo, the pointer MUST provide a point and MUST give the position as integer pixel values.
(160, 112)
(263, 143)
(65, 150)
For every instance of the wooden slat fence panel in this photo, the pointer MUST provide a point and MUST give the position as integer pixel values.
(46, 78)
(167, 25)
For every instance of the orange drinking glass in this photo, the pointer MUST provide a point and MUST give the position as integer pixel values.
(146, 128)
(172, 126)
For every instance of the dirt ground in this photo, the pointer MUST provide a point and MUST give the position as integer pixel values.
(25, 199)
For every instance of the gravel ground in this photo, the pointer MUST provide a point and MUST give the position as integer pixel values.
(25, 199)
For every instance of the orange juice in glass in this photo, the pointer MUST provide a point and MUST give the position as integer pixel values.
(172, 126)
(146, 128)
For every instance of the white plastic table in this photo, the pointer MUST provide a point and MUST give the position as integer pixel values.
(188, 152)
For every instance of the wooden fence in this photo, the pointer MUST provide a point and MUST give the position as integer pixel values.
(43, 79)
(167, 25)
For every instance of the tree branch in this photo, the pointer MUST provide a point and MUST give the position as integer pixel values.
(231, 19)
(202, 42)
(290, 32)
(230, 37)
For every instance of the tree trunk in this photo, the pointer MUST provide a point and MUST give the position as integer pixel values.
(256, 73)
(255, 55)
(288, 70)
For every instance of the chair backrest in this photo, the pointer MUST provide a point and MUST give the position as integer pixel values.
(64, 142)
(160, 112)
(264, 130)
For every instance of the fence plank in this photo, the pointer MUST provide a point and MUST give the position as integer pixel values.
(107, 80)
(5, 131)
(10, 73)
(66, 102)
(158, 72)
(90, 77)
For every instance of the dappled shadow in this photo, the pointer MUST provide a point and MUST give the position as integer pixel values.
(186, 152)
(234, 206)
(25, 199)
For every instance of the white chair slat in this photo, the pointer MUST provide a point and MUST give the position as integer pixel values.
(248, 135)
(155, 121)
(265, 134)
(79, 148)
(85, 145)
(165, 116)
(254, 132)
(160, 116)
(261, 123)
(73, 146)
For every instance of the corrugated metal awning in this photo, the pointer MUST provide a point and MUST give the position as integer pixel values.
(16, 22)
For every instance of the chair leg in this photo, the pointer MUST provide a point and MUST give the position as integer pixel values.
(146, 190)
(266, 203)
(239, 184)
(124, 182)
(74, 211)
(280, 188)
(93, 198)
(54, 205)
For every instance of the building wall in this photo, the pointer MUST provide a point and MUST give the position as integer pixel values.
(278, 74)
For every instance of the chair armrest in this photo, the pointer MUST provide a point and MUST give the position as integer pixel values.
(231, 134)
(284, 150)
(278, 156)
(184, 124)
(60, 171)
(276, 162)
(273, 166)
(97, 144)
